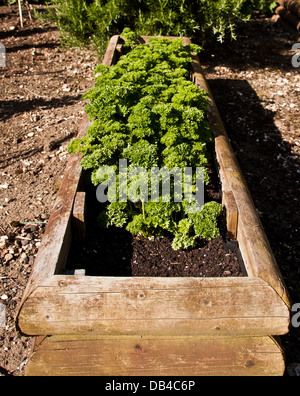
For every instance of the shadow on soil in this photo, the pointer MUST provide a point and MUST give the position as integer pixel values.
(16, 158)
(25, 32)
(29, 46)
(8, 108)
(259, 44)
(115, 244)
(271, 171)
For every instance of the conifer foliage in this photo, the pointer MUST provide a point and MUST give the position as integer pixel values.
(95, 21)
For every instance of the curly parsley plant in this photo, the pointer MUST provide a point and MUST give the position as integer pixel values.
(147, 112)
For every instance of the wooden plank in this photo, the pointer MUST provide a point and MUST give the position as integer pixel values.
(156, 356)
(231, 214)
(111, 51)
(154, 306)
(78, 219)
(256, 251)
(291, 5)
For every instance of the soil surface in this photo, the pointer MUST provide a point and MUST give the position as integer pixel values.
(256, 89)
(116, 252)
(40, 110)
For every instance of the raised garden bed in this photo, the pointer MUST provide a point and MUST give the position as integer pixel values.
(142, 325)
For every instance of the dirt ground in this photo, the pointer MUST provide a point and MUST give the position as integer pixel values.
(40, 109)
(257, 92)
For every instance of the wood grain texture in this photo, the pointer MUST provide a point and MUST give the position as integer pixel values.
(291, 5)
(154, 306)
(231, 214)
(156, 356)
(79, 214)
(254, 245)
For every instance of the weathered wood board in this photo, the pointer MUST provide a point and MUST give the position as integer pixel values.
(156, 356)
(79, 216)
(154, 306)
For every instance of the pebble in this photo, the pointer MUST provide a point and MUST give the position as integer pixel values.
(62, 154)
(3, 240)
(24, 242)
(8, 257)
(4, 297)
(44, 216)
(23, 258)
(226, 273)
(65, 88)
(31, 260)
(30, 228)
(13, 250)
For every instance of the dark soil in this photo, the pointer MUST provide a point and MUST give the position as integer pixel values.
(257, 92)
(208, 260)
(115, 252)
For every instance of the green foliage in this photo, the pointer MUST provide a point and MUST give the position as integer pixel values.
(264, 6)
(147, 112)
(95, 21)
(72, 19)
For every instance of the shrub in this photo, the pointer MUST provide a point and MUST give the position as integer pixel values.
(94, 21)
(264, 6)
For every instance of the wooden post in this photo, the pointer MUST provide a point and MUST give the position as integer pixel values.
(79, 226)
(291, 5)
(288, 16)
(231, 214)
(20, 13)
